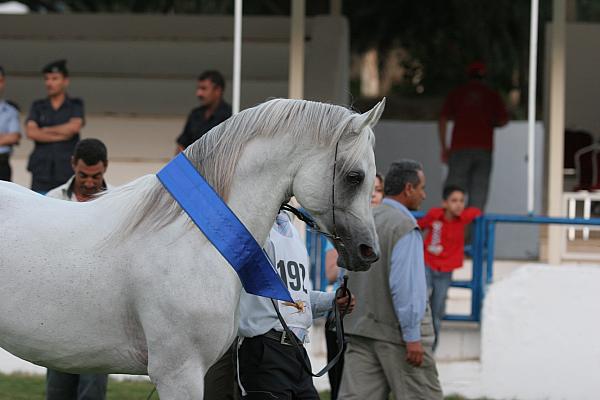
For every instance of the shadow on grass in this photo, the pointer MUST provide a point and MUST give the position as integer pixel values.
(32, 387)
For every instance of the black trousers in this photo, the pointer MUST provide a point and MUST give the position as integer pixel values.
(5, 171)
(270, 370)
(335, 373)
(220, 380)
(64, 386)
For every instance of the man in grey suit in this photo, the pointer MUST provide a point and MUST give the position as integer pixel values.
(391, 332)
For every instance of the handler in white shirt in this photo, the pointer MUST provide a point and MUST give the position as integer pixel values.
(270, 367)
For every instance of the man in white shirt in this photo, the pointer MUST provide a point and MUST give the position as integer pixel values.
(89, 162)
(269, 366)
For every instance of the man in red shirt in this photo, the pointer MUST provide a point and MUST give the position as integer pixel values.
(476, 110)
(444, 247)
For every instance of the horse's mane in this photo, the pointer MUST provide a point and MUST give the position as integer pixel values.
(217, 153)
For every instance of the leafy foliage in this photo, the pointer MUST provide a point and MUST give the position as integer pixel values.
(443, 36)
(439, 37)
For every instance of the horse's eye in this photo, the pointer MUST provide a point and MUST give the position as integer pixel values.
(355, 177)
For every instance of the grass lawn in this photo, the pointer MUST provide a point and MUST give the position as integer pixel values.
(31, 387)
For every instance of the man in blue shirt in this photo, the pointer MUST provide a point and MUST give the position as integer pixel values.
(10, 131)
(391, 331)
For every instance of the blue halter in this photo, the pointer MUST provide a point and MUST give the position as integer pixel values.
(222, 228)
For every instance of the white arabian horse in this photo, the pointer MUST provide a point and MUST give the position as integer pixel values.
(127, 283)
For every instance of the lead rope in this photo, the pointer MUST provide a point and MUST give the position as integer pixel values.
(333, 192)
(339, 315)
(340, 292)
(151, 393)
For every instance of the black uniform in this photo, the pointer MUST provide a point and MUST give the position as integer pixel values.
(50, 163)
(9, 123)
(196, 125)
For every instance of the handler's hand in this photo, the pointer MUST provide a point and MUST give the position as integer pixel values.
(342, 303)
(414, 353)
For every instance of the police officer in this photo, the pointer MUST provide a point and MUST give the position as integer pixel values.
(54, 124)
(211, 113)
(10, 131)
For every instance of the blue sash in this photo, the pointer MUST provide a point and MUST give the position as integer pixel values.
(223, 228)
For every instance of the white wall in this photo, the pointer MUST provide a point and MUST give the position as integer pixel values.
(148, 64)
(136, 146)
(540, 334)
(508, 184)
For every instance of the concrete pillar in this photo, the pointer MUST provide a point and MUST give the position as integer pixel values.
(335, 7)
(571, 10)
(296, 74)
(557, 127)
(330, 46)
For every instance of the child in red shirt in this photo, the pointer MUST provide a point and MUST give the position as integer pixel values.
(444, 230)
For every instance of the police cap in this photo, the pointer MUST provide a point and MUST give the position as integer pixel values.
(59, 66)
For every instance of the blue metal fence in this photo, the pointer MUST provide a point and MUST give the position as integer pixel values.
(482, 252)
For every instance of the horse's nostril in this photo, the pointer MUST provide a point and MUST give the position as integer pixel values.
(366, 251)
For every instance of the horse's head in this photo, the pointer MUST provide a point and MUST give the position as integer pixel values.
(335, 187)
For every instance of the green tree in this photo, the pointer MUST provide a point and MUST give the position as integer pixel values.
(443, 36)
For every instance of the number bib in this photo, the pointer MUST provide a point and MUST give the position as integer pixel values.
(291, 261)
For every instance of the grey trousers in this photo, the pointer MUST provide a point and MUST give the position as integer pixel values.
(64, 386)
(373, 369)
(437, 285)
(470, 169)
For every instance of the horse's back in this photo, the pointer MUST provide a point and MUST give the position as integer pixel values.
(13, 187)
(57, 285)
(16, 196)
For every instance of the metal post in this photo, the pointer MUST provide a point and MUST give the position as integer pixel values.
(491, 241)
(533, 39)
(296, 68)
(477, 272)
(237, 56)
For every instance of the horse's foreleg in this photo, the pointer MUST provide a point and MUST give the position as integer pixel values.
(177, 378)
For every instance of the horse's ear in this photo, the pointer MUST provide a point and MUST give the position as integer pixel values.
(371, 117)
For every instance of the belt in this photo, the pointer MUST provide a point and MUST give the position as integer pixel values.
(281, 337)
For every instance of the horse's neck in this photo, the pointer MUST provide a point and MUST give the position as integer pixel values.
(262, 182)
